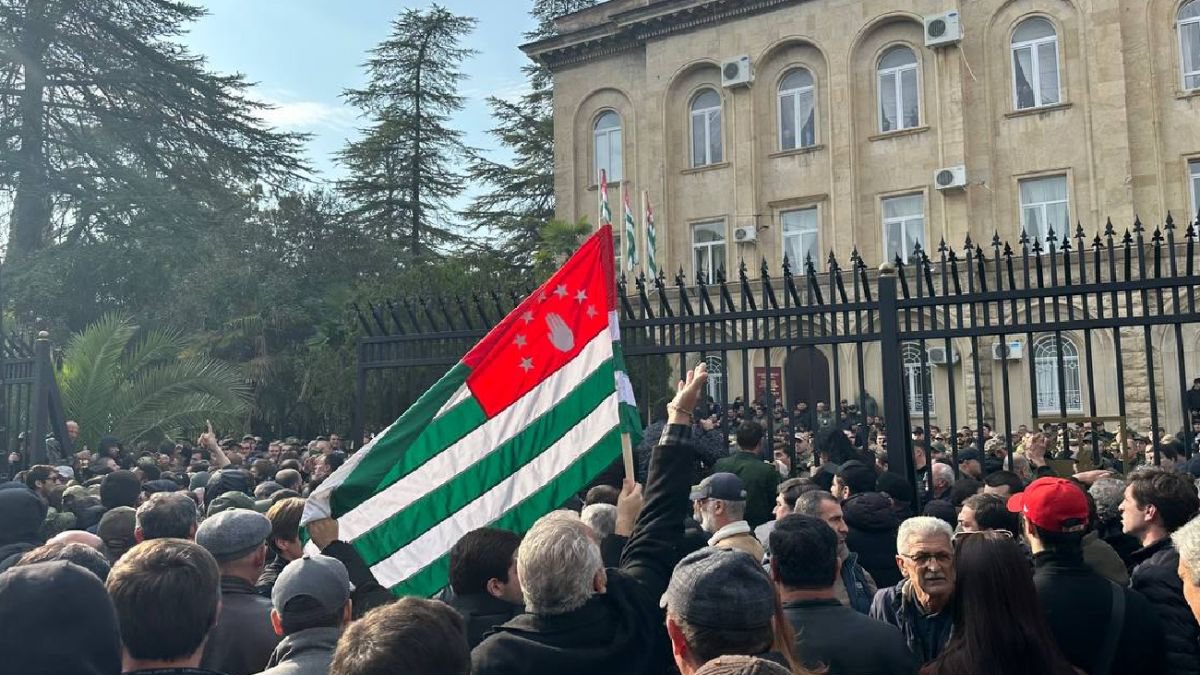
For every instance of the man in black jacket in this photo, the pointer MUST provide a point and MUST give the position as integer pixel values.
(805, 570)
(483, 574)
(583, 619)
(1078, 601)
(1158, 502)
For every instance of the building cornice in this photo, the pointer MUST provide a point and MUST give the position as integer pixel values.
(630, 29)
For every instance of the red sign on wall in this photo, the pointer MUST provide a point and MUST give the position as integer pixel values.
(763, 376)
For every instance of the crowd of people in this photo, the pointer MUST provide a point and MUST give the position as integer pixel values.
(717, 557)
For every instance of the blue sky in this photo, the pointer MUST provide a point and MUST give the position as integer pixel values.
(303, 53)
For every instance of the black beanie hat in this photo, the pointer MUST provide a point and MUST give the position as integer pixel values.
(57, 618)
(22, 513)
(120, 488)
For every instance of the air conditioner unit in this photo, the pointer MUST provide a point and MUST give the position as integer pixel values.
(938, 356)
(745, 233)
(737, 72)
(1013, 350)
(950, 178)
(942, 29)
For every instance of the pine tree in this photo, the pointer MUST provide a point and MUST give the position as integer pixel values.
(520, 198)
(106, 118)
(403, 169)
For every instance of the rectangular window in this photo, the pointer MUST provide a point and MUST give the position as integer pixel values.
(706, 137)
(1044, 208)
(1036, 72)
(708, 248)
(800, 238)
(899, 104)
(1194, 181)
(1189, 45)
(903, 226)
(797, 124)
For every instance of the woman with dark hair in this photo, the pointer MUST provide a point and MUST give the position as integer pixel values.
(999, 625)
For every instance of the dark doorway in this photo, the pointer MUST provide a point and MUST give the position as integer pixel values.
(806, 377)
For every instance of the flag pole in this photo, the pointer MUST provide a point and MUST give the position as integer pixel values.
(627, 454)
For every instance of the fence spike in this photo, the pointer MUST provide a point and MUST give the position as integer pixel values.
(1127, 239)
(764, 270)
(1157, 237)
(996, 239)
(1137, 225)
(1190, 232)
(787, 266)
(1170, 225)
(968, 243)
(1008, 252)
(1097, 243)
(1109, 230)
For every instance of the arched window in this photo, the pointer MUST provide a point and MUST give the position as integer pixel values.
(606, 134)
(716, 379)
(918, 379)
(797, 112)
(1035, 64)
(1050, 386)
(706, 128)
(899, 92)
(1188, 23)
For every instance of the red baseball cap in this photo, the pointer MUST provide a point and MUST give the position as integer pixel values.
(1053, 504)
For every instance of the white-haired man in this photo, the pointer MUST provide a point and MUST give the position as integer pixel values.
(920, 604)
(580, 618)
(943, 480)
(1187, 542)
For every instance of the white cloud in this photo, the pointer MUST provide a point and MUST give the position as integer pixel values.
(293, 115)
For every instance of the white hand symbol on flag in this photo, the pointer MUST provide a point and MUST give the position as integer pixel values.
(560, 334)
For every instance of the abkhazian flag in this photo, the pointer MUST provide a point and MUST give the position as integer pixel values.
(525, 420)
(605, 212)
(630, 233)
(651, 238)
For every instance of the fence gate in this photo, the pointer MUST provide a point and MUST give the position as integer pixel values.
(990, 336)
(30, 405)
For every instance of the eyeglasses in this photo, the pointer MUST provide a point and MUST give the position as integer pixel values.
(922, 559)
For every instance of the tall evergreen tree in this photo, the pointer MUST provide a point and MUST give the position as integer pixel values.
(106, 118)
(519, 201)
(404, 168)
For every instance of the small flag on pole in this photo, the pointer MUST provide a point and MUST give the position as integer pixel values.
(605, 212)
(651, 237)
(630, 233)
(524, 421)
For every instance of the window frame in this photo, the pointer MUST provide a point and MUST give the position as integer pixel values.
(898, 86)
(1193, 173)
(796, 94)
(1045, 361)
(1180, 26)
(917, 368)
(815, 234)
(1034, 61)
(708, 246)
(1043, 236)
(693, 113)
(903, 221)
(608, 134)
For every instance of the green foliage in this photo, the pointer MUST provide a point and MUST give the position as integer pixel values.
(110, 125)
(404, 168)
(145, 386)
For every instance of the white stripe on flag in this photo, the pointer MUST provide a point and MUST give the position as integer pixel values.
(463, 393)
(316, 506)
(494, 503)
(477, 444)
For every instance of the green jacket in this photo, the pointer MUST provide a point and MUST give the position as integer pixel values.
(761, 481)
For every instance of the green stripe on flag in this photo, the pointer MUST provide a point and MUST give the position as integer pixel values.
(519, 519)
(415, 437)
(403, 527)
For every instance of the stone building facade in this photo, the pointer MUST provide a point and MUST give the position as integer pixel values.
(1044, 114)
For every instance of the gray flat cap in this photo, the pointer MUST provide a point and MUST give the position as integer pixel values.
(720, 588)
(320, 577)
(233, 534)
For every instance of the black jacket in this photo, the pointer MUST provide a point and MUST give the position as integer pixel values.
(1078, 604)
(925, 634)
(242, 641)
(482, 612)
(1155, 576)
(367, 593)
(831, 635)
(872, 536)
(621, 630)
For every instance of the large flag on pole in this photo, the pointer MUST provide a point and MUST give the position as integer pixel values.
(630, 232)
(651, 237)
(525, 420)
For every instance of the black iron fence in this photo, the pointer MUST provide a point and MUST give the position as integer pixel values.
(991, 334)
(31, 410)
